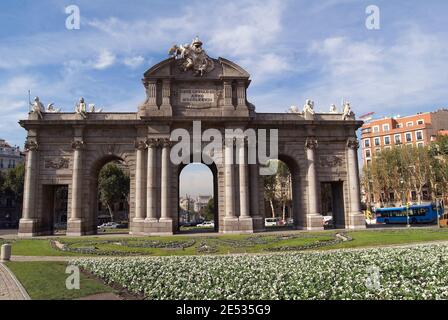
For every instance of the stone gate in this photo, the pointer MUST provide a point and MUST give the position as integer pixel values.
(70, 149)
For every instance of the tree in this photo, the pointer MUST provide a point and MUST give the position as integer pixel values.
(209, 210)
(277, 188)
(13, 182)
(113, 185)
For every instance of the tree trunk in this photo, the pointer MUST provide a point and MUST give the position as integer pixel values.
(272, 208)
(284, 211)
(110, 212)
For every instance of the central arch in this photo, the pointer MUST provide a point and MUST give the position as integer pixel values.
(214, 170)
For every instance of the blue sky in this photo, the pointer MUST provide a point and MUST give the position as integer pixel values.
(294, 50)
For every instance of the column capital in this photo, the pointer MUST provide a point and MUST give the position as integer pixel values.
(78, 144)
(152, 142)
(140, 144)
(166, 142)
(31, 145)
(311, 143)
(352, 143)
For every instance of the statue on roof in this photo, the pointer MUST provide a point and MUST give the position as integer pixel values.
(38, 108)
(192, 57)
(347, 114)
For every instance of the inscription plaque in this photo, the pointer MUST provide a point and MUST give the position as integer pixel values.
(197, 96)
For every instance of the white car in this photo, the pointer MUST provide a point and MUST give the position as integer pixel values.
(109, 225)
(271, 222)
(206, 224)
(327, 220)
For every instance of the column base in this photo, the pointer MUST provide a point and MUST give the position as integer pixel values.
(76, 228)
(158, 227)
(241, 225)
(356, 221)
(137, 226)
(314, 221)
(29, 228)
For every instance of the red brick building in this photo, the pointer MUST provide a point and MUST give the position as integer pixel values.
(416, 130)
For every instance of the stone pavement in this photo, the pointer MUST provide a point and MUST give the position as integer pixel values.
(10, 287)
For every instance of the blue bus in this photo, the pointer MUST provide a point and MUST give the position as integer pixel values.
(423, 213)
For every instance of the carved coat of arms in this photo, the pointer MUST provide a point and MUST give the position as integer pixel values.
(192, 57)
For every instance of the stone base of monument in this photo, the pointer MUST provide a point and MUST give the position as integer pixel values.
(241, 225)
(79, 227)
(157, 227)
(356, 220)
(314, 222)
(28, 228)
(137, 226)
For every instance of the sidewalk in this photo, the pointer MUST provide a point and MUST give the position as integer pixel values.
(10, 287)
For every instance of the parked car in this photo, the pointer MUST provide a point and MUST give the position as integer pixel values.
(271, 222)
(109, 225)
(206, 224)
(327, 221)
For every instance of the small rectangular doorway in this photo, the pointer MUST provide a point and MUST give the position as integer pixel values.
(332, 204)
(54, 208)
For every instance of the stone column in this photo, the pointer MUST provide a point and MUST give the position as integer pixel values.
(229, 178)
(356, 218)
(151, 184)
(165, 181)
(244, 186)
(314, 218)
(30, 181)
(139, 186)
(27, 222)
(74, 222)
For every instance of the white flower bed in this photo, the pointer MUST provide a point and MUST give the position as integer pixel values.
(418, 272)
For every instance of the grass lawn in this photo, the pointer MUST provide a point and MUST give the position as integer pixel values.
(223, 244)
(46, 281)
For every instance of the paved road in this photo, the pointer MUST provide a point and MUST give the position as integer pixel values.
(10, 287)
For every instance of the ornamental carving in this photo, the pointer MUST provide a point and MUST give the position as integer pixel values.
(330, 161)
(192, 57)
(77, 144)
(152, 142)
(311, 143)
(140, 144)
(59, 163)
(353, 143)
(31, 145)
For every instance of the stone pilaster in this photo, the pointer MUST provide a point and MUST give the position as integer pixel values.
(241, 95)
(74, 224)
(28, 222)
(314, 218)
(243, 175)
(228, 108)
(152, 94)
(166, 92)
(356, 219)
(230, 221)
(139, 187)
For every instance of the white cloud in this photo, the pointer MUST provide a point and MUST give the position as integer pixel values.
(411, 72)
(105, 60)
(133, 62)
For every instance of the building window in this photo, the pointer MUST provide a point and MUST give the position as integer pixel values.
(377, 141)
(399, 125)
(420, 122)
(376, 129)
(420, 144)
(368, 153)
(369, 161)
(387, 147)
(378, 150)
(408, 137)
(397, 138)
(367, 143)
(419, 135)
(386, 127)
(387, 140)
(410, 124)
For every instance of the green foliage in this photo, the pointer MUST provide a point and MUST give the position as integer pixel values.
(12, 182)
(209, 210)
(113, 184)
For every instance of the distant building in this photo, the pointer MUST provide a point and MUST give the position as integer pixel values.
(201, 202)
(416, 130)
(10, 156)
